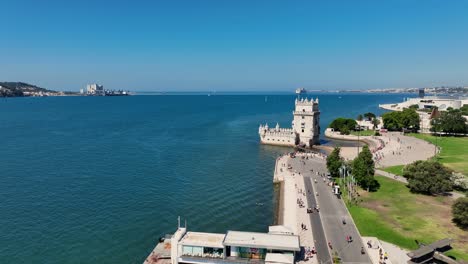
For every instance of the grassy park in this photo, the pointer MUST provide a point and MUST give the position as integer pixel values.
(398, 169)
(453, 154)
(454, 151)
(401, 217)
(362, 133)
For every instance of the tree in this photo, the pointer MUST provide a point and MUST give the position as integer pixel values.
(410, 119)
(464, 109)
(340, 123)
(369, 116)
(363, 169)
(460, 182)
(375, 122)
(450, 122)
(460, 212)
(428, 177)
(359, 117)
(390, 121)
(414, 106)
(396, 121)
(334, 162)
(344, 130)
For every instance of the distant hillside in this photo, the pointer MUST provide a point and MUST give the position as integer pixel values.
(18, 89)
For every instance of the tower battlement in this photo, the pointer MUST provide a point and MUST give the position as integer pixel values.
(306, 105)
(277, 135)
(306, 101)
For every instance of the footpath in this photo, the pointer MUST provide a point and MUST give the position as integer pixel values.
(293, 207)
(389, 149)
(298, 177)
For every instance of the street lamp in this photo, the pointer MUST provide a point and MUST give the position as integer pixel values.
(359, 133)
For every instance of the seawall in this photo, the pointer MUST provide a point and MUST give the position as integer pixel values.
(279, 208)
(366, 139)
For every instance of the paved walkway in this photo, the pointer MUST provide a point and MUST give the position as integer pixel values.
(292, 214)
(389, 149)
(379, 249)
(395, 254)
(391, 176)
(302, 180)
(308, 235)
(326, 224)
(288, 210)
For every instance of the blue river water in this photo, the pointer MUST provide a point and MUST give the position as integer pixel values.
(99, 179)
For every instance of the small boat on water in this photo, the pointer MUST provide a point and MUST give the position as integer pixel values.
(301, 91)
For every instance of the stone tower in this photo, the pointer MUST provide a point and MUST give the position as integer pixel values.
(306, 122)
(305, 127)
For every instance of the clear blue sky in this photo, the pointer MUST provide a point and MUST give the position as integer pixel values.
(234, 45)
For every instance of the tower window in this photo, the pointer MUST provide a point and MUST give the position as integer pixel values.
(302, 130)
(303, 117)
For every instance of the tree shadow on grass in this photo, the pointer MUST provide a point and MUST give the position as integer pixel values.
(374, 186)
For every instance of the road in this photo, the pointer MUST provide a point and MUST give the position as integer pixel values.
(323, 254)
(332, 211)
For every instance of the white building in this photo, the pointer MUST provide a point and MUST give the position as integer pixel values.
(95, 89)
(427, 102)
(369, 125)
(233, 247)
(305, 127)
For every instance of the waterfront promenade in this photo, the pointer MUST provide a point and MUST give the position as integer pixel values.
(307, 172)
(389, 149)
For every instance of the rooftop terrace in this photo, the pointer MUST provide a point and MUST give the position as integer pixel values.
(203, 239)
(262, 240)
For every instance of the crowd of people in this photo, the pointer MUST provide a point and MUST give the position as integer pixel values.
(378, 156)
(309, 253)
(383, 256)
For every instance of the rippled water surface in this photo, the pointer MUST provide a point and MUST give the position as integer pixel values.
(98, 179)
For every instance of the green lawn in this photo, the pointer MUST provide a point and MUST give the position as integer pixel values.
(454, 151)
(398, 169)
(400, 217)
(363, 133)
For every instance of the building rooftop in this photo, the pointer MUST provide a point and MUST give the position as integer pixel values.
(279, 258)
(262, 240)
(280, 229)
(203, 239)
(428, 249)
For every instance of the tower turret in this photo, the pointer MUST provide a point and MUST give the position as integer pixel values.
(306, 121)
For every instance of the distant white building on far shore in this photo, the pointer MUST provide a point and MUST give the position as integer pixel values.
(95, 89)
(428, 102)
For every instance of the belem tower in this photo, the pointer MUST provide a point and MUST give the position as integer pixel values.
(305, 127)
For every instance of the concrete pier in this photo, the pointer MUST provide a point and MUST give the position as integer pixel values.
(161, 254)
